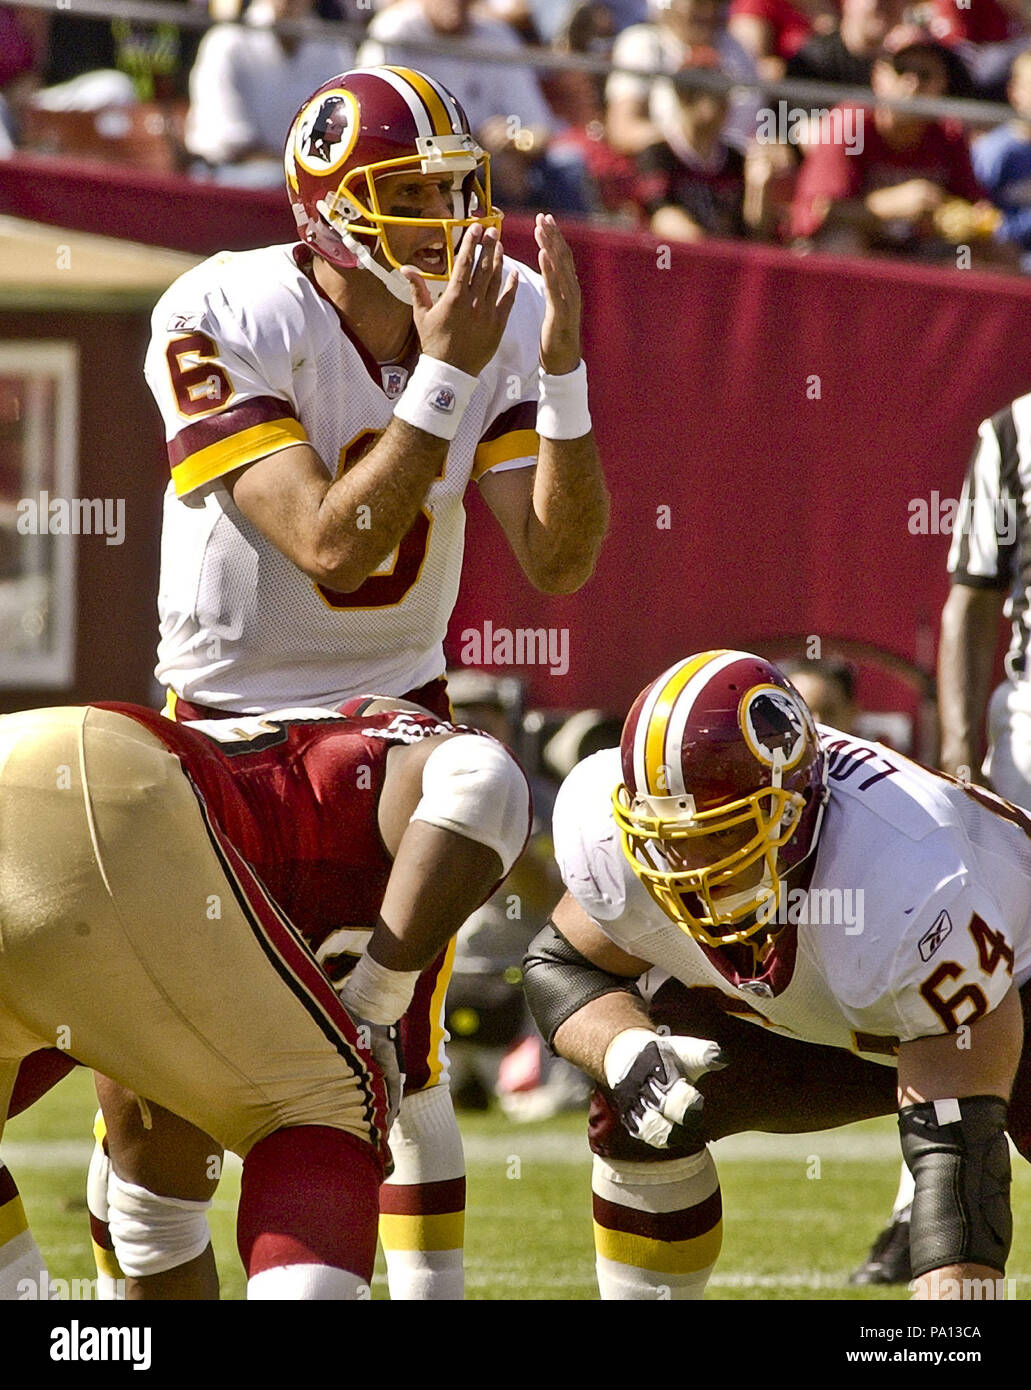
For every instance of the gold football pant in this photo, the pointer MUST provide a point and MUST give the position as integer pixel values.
(134, 938)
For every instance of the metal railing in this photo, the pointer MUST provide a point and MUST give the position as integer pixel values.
(805, 94)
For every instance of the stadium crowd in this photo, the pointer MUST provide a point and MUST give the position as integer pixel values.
(683, 156)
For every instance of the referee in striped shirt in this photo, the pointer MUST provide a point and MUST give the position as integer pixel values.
(990, 566)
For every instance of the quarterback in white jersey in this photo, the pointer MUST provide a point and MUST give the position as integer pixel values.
(325, 407)
(243, 348)
(789, 925)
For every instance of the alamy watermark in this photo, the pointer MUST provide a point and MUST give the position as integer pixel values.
(940, 516)
(522, 646)
(47, 1289)
(797, 125)
(813, 907)
(72, 516)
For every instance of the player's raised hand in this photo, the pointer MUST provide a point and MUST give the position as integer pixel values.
(466, 324)
(560, 332)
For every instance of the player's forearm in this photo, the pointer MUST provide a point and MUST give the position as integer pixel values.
(584, 1038)
(966, 659)
(365, 514)
(439, 879)
(569, 517)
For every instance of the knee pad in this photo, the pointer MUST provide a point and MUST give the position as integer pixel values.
(473, 786)
(151, 1233)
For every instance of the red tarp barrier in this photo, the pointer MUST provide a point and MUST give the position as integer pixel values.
(788, 412)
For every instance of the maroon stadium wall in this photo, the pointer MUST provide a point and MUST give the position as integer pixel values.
(780, 434)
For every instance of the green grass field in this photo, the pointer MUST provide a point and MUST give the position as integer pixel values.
(799, 1211)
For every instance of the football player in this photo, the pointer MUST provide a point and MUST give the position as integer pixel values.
(326, 405)
(773, 928)
(250, 904)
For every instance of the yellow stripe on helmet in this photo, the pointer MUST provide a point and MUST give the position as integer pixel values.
(436, 109)
(655, 769)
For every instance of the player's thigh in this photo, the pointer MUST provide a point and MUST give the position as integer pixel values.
(148, 943)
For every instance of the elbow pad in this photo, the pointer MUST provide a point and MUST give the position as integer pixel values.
(959, 1157)
(559, 981)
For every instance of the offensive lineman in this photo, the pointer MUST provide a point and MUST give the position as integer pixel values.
(325, 407)
(773, 929)
(180, 905)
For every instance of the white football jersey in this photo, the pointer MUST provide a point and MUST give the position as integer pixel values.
(917, 919)
(248, 357)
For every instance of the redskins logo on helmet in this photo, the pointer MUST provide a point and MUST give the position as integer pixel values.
(360, 127)
(724, 785)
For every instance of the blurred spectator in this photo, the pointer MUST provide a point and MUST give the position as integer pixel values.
(246, 87)
(773, 31)
(846, 54)
(19, 76)
(154, 58)
(1002, 163)
(987, 35)
(692, 184)
(882, 179)
(503, 101)
(577, 737)
(829, 689)
(578, 101)
(553, 18)
(641, 111)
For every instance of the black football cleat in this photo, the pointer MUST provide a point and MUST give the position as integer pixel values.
(888, 1261)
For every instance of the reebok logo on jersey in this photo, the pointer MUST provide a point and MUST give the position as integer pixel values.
(183, 323)
(443, 401)
(932, 939)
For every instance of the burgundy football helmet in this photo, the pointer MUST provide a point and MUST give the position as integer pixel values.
(366, 124)
(724, 785)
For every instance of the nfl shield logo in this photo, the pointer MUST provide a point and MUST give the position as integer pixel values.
(443, 400)
(394, 379)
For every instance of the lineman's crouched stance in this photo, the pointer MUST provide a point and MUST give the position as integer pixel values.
(355, 844)
(703, 969)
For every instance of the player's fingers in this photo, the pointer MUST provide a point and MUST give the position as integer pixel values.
(421, 300)
(680, 1100)
(507, 296)
(488, 262)
(654, 1129)
(466, 252)
(697, 1055)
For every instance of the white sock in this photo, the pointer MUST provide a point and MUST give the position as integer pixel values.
(23, 1271)
(320, 1283)
(427, 1148)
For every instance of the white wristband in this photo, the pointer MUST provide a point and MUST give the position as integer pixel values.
(376, 994)
(436, 397)
(562, 411)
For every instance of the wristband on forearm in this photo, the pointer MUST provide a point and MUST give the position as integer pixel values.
(376, 994)
(436, 397)
(562, 411)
